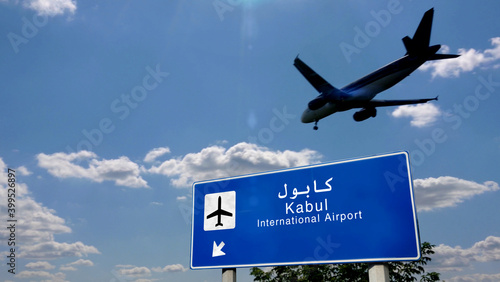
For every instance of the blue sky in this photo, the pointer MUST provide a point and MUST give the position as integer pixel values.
(110, 110)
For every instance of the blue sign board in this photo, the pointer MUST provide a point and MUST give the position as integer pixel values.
(359, 210)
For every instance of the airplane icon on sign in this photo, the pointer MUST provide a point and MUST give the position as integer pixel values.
(219, 212)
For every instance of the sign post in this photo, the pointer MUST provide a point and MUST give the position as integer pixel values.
(359, 210)
(229, 275)
(378, 273)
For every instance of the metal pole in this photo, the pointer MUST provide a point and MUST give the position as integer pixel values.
(378, 273)
(229, 275)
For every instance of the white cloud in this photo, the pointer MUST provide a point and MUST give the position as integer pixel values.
(422, 114)
(124, 266)
(51, 7)
(40, 265)
(135, 271)
(39, 224)
(67, 268)
(468, 61)
(447, 191)
(132, 272)
(22, 170)
(476, 278)
(3, 167)
(82, 262)
(60, 164)
(488, 250)
(181, 198)
(122, 171)
(152, 155)
(58, 277)
(170, 268)
(217, 161)
(42, 222)
(456, 258)
(53, 250)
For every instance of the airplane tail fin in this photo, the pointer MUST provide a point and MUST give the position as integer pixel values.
(419, 44)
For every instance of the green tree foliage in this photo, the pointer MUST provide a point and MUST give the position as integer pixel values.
(353, 272)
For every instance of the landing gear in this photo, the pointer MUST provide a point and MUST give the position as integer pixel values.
(315, 125)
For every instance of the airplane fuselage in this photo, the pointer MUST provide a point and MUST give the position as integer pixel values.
(360, 93)
(366, 88)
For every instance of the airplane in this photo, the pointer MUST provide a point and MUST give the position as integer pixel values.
(219, 212)
(360, 93)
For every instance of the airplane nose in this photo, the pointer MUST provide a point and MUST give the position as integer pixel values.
(307, 116)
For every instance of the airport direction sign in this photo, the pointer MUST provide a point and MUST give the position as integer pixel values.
(359, 210)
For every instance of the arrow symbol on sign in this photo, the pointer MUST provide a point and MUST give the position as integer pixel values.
(217, 250)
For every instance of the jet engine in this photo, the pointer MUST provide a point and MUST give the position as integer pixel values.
(364, 114)
(317, 103)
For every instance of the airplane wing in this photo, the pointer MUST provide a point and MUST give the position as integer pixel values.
(443, 56)
(212, 214)
(386, 103)
(221, 212)
(319, 83)
(226, 213)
